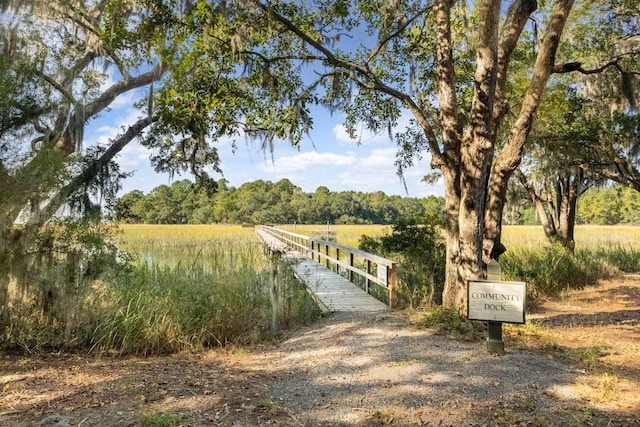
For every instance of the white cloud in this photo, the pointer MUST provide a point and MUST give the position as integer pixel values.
(306, 161)
(133, 155)
(363, 135)
(382, 158)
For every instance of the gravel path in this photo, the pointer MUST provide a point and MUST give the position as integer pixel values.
(346, 370)
(362, 369)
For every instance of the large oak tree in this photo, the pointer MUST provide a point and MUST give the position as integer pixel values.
(445, 63)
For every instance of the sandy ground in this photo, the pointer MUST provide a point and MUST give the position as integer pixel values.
(576, 364)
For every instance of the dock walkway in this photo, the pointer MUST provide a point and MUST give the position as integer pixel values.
(332, 291)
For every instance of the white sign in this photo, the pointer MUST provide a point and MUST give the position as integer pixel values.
(382, 275)
(496, 301)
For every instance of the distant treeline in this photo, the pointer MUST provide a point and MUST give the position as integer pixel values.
(265, 202)
(609, 205)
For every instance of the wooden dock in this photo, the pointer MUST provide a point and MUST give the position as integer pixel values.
(331, 291)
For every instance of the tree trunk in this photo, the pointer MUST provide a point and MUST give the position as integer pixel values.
(558, 219)
(473, 233)
(454, 287)
(570, 191)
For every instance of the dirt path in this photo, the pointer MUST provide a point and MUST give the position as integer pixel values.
(359, 371)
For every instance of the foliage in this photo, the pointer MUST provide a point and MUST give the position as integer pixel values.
(603, 205)
(417, 244)
(261, 202)
(63, 64)
(42, 306)
(552, 172)
(610, 205)
(551, 270)
(449, 322)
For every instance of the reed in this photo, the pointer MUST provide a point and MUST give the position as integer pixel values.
(160, 308)
(177, 288)
(548, 269)
(191, 287)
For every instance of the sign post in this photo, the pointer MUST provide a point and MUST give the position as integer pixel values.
(496, 302)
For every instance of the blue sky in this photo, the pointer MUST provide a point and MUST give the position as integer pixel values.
(328, 157)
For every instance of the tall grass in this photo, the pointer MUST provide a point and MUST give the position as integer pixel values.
(194, 287)
(548, 269)
(158, 309)
(183, 288)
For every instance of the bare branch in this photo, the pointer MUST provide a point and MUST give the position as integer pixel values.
(63, 91)
(570, 67)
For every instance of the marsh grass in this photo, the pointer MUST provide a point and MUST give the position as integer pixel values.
(192, 287)
(548, 269)
(177, 288)
(162, 309)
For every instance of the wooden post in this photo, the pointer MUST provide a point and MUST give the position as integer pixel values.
(275, 291)
(326, 252)
(351, 265)
(495, 344)
(366, 286)
(393, 282)
(337, 259)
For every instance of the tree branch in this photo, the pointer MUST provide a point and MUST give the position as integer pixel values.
(363, 70)
(451, 127)
(570, 67)
(511, 155)
(123, 86)
(41, 215)
(381, 43)
(518, 14)
(63, 91)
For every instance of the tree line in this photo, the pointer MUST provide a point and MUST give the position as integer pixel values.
(608, 205)
(265, 202)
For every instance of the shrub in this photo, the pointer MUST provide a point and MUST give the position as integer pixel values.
(626, 259)
(449, 322)
(550, 270)
(417, 244)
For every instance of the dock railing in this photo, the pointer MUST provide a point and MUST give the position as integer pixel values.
(349, 262)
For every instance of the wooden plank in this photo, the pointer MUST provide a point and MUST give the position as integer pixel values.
(332, 291)
(272, 242)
